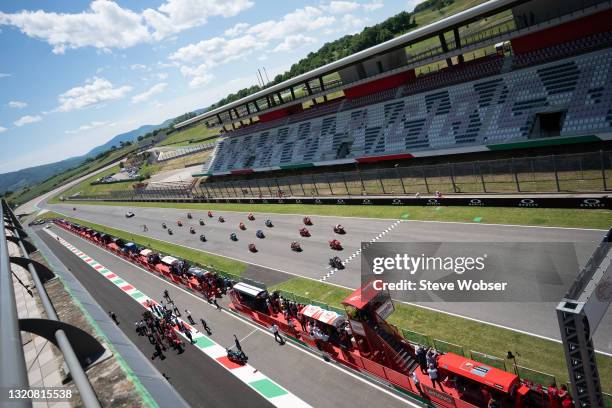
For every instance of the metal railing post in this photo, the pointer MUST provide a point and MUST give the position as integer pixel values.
(13, 374)
(425, 179)
(554, 162)
(603, 169)
(516, 180)
(484, 187)
(452, 177)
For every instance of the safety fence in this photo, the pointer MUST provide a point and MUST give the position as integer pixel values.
(165, 155)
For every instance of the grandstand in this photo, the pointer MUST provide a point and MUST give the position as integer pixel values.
(543, 77)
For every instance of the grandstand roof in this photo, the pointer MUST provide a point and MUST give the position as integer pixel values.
(464, 17)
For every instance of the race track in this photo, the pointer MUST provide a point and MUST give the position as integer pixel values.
(274, 252)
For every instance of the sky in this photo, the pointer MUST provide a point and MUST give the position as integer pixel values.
(73, 74)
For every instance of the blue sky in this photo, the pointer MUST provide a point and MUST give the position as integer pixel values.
(73, 74)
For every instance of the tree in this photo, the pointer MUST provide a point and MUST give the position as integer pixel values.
(141, 138)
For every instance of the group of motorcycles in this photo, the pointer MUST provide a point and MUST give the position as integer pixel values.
(334, 262)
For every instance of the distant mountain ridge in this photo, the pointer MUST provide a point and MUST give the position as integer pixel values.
(27, 177)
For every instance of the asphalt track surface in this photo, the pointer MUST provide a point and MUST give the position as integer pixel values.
(201, 381)
(306, 375)
(537, 318)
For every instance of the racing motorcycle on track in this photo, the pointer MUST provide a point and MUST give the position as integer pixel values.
(170, 231)
(210, 214)
(336, 262)
(201, 221)
(242, 226)
(202, 238)
(233, 236)
(251, 217)
(163, 225)
(295, 246)
(339, 229)
(252, 248)
(179, 223)
(307, 221)
(260, 234)
(269, 223)
(192, 230)
(335, 245)
(237, 357)
(189, 215)
(304, 232)
(221, 219)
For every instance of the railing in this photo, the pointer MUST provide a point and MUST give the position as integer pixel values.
(13, 373)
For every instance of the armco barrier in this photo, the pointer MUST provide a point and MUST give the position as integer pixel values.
(584, 202)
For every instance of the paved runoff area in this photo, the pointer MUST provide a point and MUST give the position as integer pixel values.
(274, 254)
(286, 375)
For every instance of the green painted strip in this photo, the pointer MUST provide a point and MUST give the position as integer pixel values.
(297, 166)
(118, 281)
(477, 219)
(268, 388)
(203, 342)
(405, 216)
(137, 294)
(545, 142)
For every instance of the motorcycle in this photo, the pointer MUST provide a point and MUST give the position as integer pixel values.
(179, 223)
(163, 225)
(335, 245)
(210, 214)
(295, 246)
(233, 236)
(269, 224)
(339, 229)
(304, 232)
(237, 357)
(251, 217)
(169, 231)
(252, 248)
(242, 226)
(260, 234)
(73, 208)
(221, 219)
(192, 230)
(189, 215)
(336, 262)
(202, 238)
(201, 221)
(307, 221)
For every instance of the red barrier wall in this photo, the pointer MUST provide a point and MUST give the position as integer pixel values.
(379, 85)
(280, 113)
(572, 30)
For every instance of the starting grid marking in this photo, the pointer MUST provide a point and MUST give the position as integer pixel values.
(332, 271)
(259, 382)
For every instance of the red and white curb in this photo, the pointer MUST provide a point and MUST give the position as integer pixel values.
(259, 382)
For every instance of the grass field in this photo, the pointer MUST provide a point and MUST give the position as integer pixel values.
(193, 134)
(550, 217)
(202, 258)
(535, 353)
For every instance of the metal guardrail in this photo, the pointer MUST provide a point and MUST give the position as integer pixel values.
(66, 337)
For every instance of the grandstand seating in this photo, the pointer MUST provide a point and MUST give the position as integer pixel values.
(498, 109)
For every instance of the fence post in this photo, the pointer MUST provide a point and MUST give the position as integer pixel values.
(516, 180)
(329, 184)
(348, 192)
(302, 185)
(380, 181)
(554, 161)
(400, 179)
(452, 177)
(477, 165)
(603, 169)
(425, 179)
(314, 184)
(363, 190)
(289, 187)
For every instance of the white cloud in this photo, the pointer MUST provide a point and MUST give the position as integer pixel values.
(177, 15)
(17, 104)
(138, 67)
(95, 91)
(299, 21)
(161, 75)
(3, 129)
(89, 126)
(107, 25)
(3, 75)
(236, 30)
(375, 5)
(337, 7)
(27, 119)
(292, 42)
(155, 89)
(351, 24)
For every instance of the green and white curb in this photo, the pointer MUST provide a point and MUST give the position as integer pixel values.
(259, 382)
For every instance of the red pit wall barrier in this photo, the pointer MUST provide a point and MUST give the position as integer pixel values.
(280, 113)
(596, 23)
(379, 85)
